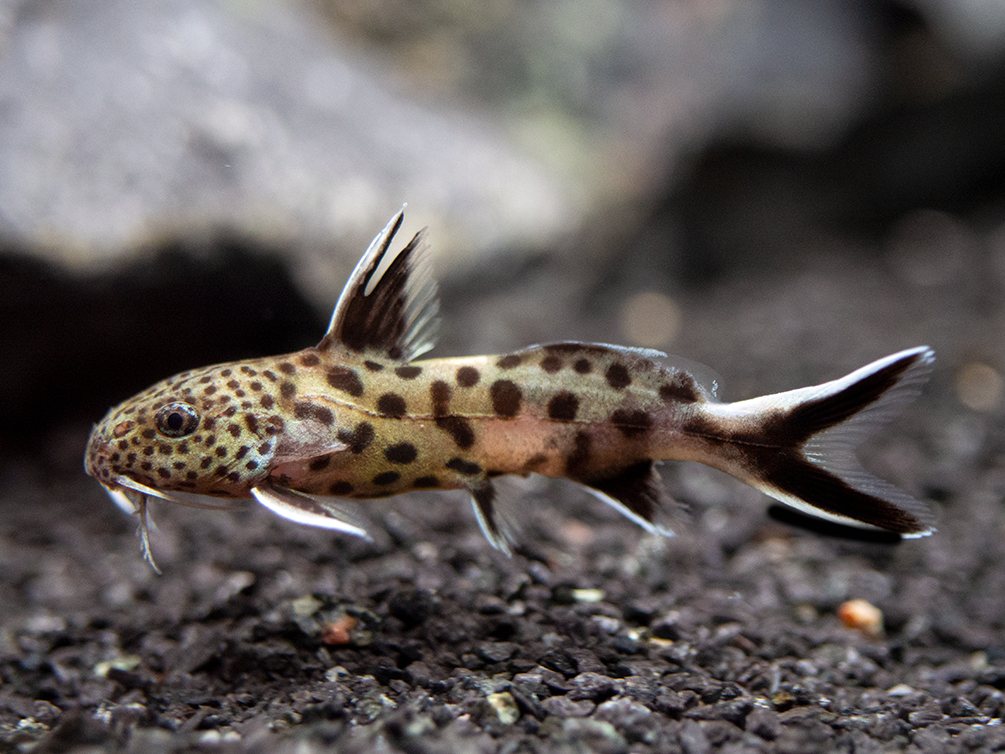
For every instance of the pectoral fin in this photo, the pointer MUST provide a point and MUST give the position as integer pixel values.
(307, 509)
(307, 436)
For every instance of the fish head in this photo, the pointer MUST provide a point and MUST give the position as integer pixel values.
(206, 432)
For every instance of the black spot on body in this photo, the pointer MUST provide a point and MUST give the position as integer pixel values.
(468, 468)
(345, 379)
(205, 463)
(373, 366)
(226, 373)
(392, 405)
(632, 423)
(234, 430)
(264, 448)
(221, 451)
(426, 482)
(248, 371)
(408, 372)
(681, 390)
(266, 401)
(233, 384)
(287, 389)
(510, 361)
(251, 465)
(439, 393)
(312, 411)
(459, 428)
(287, 368)
(256, 387)
(319, 464)
(270, 375)
(357, 439)
(242, 452)
(506, 398)
(563, 407)
(467, 376)
(163, 473)
(308, 359)
(403, 452)
(341, 488)
(617, 376)
(386, 477)
(251, 422)
(551, 364)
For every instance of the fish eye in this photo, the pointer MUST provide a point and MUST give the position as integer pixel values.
(177, 420)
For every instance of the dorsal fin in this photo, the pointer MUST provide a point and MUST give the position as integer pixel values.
(390, 303)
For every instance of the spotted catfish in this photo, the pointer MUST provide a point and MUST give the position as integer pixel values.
(357, 417)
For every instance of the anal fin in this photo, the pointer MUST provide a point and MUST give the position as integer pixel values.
(636, 492)
(312, 511)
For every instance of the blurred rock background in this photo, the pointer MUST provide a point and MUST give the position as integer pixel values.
(185, 182)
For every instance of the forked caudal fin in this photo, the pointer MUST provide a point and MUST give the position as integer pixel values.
(799, 446)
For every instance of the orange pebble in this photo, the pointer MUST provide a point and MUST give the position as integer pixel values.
(863, 616)
(337, 631)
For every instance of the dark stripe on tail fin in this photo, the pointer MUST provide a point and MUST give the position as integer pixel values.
(803, 453)
(815, 416)
(812, 489)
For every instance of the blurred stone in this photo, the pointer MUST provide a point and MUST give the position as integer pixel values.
(126, 123)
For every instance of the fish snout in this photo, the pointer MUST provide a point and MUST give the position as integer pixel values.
(97, 458)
